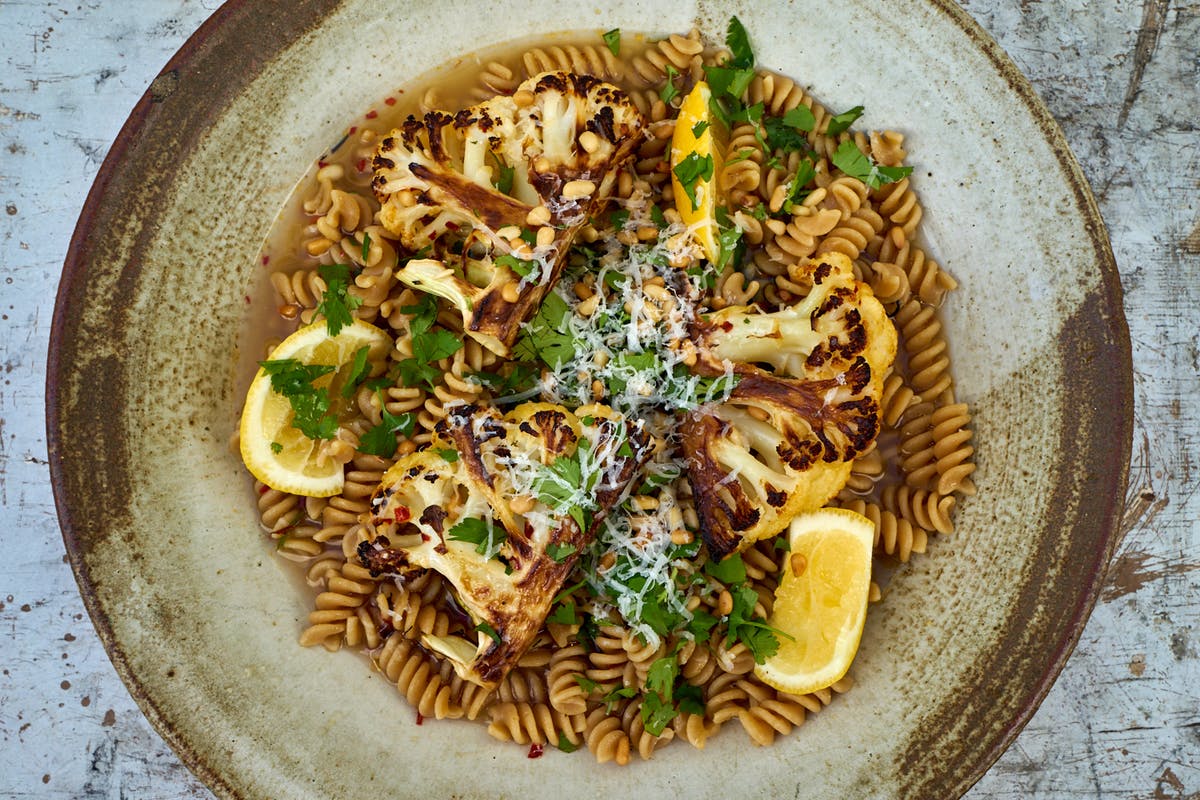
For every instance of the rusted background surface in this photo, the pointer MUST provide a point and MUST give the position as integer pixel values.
(1123, 721)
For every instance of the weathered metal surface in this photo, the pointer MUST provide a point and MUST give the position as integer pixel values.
(1122, 721)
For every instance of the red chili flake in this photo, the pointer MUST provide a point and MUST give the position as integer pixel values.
(264, 489)
(266, 260)
(536, 750)
(372, 114)
(352, 131)
(528, 529)
(420, 718)
(402, 514)
(452, 226)
(391, 101)
(424, 537)
(361, 165)
(727, 326)
(247, 297)
(321, 165)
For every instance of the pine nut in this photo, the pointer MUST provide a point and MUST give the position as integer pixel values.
(538, 217)
(588, 306)
(724, 603)
(545, 236)
(575, 190)
(798, 563)
(589, 141)
(522, 504)
(681, 536)
(510, 293)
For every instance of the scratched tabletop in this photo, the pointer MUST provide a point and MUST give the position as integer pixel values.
(1122, 721)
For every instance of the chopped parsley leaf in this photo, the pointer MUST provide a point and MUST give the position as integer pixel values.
(855, 163)
(805, 173)
(657, 216)
(693, 169)
(801, 118)
(618, 694)
(699, 128)
(545, 336)
(486, 537)
(380, 440)
(504, 181)
(738, 42)
(564, 614)
(524, 269)
(337, 303)
(731, 570)
(448, 454)
(521, 377)
(559, 552)
(785, 137)
(587, 684)
(728, 83)
(358, 368)
(730, 246)
(565, 745)
(613, 40)
(558, 483)
(669, 92)
(760, 638)
(843, 121)
(366, 246)
(484, 628)
(276, 448)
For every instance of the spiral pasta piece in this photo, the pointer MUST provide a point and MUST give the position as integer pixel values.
(586, 60)
(606, 739)
(893, 535)
(681, 53)
(928, 360)
(922, 508)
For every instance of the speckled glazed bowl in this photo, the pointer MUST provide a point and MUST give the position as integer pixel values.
(202, 623)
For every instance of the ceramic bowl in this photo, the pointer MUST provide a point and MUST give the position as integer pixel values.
(201, 622)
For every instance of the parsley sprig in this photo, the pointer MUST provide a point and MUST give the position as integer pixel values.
(337, 303)
(428, 345)
(667, 695)
(311, 405)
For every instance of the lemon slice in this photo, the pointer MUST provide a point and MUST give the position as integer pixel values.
(821, 601)
(689, 146)
(280, 455)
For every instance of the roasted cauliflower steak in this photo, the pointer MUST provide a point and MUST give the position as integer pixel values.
(805, 405)
(556, 143)
(501, 507)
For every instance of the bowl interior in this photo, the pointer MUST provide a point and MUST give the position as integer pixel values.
(202, 621)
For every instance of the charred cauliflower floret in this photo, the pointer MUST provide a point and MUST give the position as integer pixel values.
(559, 140)
(805, 405)
(501, 507)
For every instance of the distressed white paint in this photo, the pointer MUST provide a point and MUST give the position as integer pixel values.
(1121, 722)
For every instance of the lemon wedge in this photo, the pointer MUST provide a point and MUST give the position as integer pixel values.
(821, 601)
(274, 451)
(697, 146)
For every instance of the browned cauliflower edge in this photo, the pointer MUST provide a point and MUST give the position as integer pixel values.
(805, 405)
